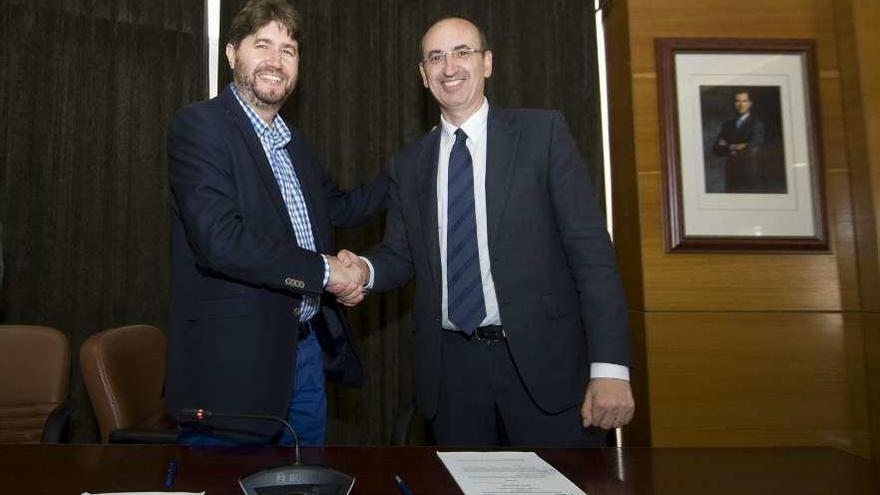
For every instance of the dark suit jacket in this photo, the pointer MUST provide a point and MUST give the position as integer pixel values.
(238, 275)
(742, 169)
(559, 292)
(750, 132)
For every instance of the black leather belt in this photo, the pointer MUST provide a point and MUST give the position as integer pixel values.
(490, 334)
(303, 331)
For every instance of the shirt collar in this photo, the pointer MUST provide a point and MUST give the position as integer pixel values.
(474, 126)
(277, 133)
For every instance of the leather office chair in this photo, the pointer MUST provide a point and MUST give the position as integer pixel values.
(35, 371)
(124, 370)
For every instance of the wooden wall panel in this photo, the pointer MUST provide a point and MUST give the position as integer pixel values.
(647, 123)
(871, 326)
(857, 24)
(627, 237)
(757, 379)
(745, 282)
(756, 349)
(868, 26)
(834, 128)
(651, 19)
(638, 432)
(824, 282)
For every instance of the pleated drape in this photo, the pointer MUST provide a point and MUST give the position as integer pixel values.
(86, 93)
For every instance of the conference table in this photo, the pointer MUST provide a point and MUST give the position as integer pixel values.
(73, 469)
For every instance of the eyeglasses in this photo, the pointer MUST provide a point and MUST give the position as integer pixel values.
(439, 58)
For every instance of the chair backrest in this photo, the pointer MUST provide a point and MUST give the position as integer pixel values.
(34, 379)
(124, 369)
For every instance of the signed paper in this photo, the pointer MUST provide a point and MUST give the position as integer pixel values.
(503, 473)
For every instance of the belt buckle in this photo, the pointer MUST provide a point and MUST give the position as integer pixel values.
(500, 338)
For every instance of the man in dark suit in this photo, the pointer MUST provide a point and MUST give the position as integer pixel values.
(739, 141)
(520, 319)
(251, 214)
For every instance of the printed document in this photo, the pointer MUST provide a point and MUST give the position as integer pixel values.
(506, 473)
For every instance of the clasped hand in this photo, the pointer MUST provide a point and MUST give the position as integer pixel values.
(348, 276)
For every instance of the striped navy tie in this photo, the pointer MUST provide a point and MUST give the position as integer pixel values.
(467, 308)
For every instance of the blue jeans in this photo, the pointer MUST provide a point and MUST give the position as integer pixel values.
(307, 411)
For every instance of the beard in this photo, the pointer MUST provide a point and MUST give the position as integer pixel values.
(247, 87)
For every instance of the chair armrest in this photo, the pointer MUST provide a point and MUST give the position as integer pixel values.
(57, 424)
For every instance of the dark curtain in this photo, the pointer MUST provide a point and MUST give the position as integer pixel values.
(360, 98)
(86, 92)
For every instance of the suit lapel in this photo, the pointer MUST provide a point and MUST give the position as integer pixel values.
(502, 140)
(427, 187)
(255, 148)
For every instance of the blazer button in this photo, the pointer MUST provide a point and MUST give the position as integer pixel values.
(289, 282)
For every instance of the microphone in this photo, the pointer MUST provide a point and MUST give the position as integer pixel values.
(201, 415)
(296, 479)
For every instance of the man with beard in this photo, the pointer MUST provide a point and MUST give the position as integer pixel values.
(520, 319)
(249, 328)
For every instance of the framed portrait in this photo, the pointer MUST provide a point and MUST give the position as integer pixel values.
(739, 132)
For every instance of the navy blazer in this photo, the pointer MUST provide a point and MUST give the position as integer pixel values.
(751, 132)
(559, 292)
(238, 275)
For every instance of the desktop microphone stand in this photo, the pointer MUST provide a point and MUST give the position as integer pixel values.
(295, 479)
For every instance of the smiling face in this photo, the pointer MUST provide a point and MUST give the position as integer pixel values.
(457, 84)
(265, 66)
(742, 103)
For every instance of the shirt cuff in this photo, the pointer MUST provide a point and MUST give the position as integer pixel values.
(609, 370)
(326, 270)
(370, 266)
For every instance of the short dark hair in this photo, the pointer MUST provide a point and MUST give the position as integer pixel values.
(484, 45)
(257, 13)
(740, 91)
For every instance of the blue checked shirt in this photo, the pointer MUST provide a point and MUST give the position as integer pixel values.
(274, 138)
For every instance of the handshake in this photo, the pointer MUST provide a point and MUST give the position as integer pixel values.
(348, 276)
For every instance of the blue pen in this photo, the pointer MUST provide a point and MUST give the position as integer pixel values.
(404, 490)
(170, 474)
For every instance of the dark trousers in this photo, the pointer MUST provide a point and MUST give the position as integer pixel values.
(483, 401)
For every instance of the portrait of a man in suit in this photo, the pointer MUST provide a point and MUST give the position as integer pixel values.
(743, 151)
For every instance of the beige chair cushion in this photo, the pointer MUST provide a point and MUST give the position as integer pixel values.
(35, 371)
